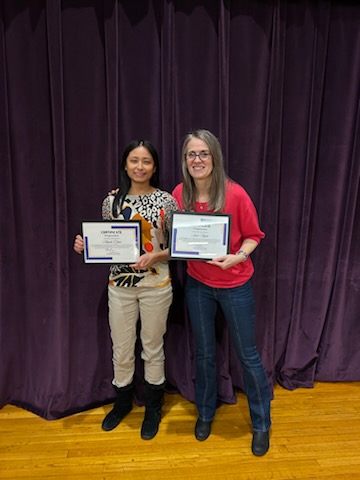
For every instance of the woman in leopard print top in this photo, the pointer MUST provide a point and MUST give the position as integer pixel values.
(141, 289)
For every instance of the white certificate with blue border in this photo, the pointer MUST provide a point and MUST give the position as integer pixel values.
(199, 236)
(117, 241)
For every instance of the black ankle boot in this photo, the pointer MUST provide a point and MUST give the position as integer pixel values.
(260, 443)
(154, 395)
(122, 406)
(202, 430)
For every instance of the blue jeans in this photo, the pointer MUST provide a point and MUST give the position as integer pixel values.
(238, 307)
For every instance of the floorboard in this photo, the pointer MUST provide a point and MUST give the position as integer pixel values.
(315, 435)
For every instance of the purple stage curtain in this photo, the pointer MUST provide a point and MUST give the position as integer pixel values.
(277, 81)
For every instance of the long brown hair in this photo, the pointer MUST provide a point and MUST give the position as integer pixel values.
(218, 179)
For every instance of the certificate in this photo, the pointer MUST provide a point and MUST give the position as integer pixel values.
(199, 236)
(116, 241)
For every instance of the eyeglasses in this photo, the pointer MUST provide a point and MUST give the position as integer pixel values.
(203, 155)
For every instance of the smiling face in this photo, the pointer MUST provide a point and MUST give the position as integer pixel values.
(198, 168)
(140, 166)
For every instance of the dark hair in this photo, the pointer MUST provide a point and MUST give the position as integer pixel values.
(124, 180)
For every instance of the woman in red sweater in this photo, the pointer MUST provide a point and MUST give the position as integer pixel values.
(223, 281)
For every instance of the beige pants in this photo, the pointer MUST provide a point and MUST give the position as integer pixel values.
(125, 305)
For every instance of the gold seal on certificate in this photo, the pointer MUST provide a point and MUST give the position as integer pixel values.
(199, 236)
(117, 241)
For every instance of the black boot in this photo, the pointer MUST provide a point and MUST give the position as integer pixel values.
(122, 406)
(154, 395)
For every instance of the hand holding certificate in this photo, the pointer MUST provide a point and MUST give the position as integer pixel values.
(199, 236)
(112, 241)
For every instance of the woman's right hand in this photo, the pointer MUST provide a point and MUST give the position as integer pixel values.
(113, 192)
(78, 244)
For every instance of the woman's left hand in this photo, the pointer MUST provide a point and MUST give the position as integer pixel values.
(227, 261)
(144, 262)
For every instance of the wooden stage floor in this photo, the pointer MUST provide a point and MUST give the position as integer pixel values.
(315, 435)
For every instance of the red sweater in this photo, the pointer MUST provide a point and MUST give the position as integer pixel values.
(244, 224)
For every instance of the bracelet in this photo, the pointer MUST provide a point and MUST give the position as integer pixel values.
(242, 252)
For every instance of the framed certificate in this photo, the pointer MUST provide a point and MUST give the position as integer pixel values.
(199, 236)
(117, 241)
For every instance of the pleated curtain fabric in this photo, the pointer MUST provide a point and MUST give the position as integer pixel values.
(276, 81)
